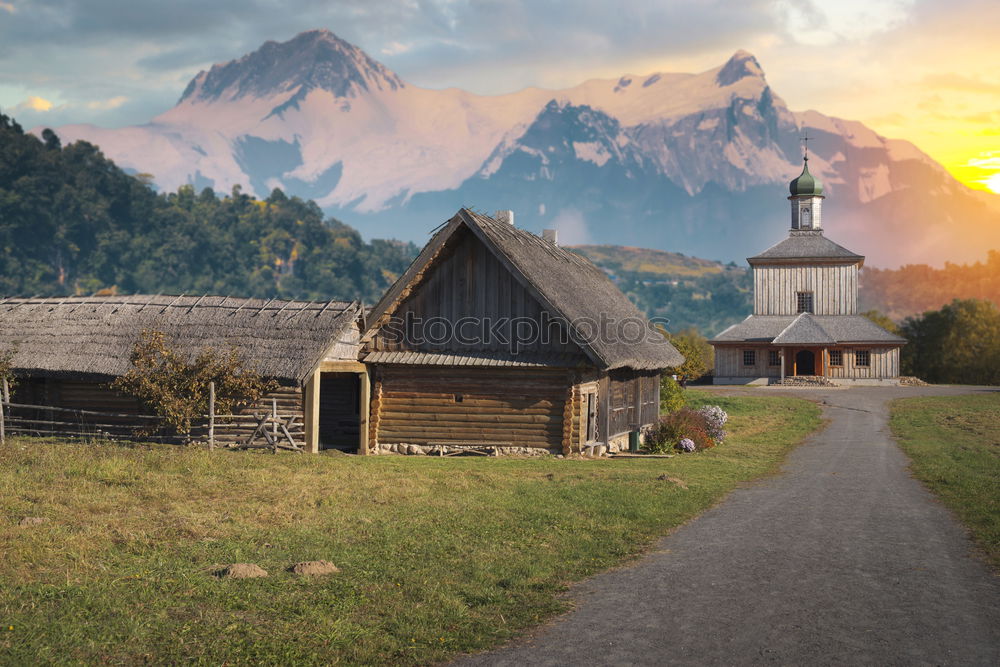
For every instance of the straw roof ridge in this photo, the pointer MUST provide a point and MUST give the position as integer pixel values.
(93, 336)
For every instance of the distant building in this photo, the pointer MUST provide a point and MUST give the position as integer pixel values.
(805, 321)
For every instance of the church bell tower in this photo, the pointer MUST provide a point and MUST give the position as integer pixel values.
(807, 200)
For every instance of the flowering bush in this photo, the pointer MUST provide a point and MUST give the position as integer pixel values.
(685, 424)
(686, 444)
(715, 419)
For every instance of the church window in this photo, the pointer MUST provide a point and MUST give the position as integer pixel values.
(749, 357)
(836, 358)
(806, 217)
(804, 302)
(862, 358)
(773, 358)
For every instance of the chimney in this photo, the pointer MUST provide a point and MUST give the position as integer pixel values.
(551, 235)
(505, 216)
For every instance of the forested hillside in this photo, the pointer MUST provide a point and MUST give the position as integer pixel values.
(688, 291)
(72, 222)
(917, 288)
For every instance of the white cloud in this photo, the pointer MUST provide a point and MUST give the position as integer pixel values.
(34, 103)
(395, 48)
(813, 23)
(104, 105)
(8, 7)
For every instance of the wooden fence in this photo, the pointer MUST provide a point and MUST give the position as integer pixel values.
(254, 428)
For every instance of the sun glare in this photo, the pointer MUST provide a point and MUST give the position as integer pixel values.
(992, 183)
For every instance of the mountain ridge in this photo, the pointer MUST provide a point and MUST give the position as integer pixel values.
(692, 155)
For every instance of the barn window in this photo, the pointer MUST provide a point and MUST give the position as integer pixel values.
(773, 358)
(749, 357)
(459, 398)
(836, 358)
(804, 302)
(862, 358)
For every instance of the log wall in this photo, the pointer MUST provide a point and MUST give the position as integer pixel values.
(420, 405)
(834, 288)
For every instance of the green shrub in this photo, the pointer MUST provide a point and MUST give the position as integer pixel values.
(665, 435)
(671, 395)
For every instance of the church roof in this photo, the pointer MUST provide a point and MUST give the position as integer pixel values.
(807, 329)
(804, 330)
(806, 244)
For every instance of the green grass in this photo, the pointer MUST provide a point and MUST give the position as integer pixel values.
(954, 443)
(438, 556)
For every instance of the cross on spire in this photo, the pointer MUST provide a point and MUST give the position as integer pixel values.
(805, 145)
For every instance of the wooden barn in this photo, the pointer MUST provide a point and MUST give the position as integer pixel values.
(498, 338)
(69, 349)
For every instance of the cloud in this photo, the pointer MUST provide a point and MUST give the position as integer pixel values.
(395, 48)
(816, 23)
(112, 103)
(961, 82)
(7, 7)
(34, 103)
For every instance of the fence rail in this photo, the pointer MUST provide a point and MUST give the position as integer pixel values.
(238, 430)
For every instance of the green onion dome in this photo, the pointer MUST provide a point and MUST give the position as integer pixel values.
(806, 183)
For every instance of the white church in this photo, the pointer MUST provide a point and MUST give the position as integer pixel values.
(805, 323)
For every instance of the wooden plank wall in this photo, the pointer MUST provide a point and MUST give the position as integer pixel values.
(729, 362)
(633, 400)
(884, 364)
(469, 281)
(834, 288)
(418, 405)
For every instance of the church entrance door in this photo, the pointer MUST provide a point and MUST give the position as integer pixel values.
(805, 362)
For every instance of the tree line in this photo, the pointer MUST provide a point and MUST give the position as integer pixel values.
(72, 222)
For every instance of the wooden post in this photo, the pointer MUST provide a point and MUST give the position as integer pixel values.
(364, 405)
(274, 417)
(6, 399)
(311, 426)
(211, 415)
(783, 364)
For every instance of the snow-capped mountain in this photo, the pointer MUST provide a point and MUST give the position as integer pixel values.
(695, 163)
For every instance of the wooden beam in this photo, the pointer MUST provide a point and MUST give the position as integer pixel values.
(364, 405)
(312, 414)
(343, 367)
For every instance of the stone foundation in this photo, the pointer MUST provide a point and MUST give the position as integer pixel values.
(436, 450)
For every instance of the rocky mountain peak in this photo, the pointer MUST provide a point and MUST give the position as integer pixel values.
(310, 60)
(741, 65)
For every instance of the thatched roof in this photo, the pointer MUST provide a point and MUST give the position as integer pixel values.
(566, 284)
(94, 336)
(808, 329)
(806, 245)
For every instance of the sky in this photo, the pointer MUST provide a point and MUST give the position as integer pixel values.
(922, 70)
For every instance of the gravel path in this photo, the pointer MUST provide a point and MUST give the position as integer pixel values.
(842, 559)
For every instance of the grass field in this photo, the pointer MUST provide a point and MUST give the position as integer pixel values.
(954, 443)
(437, 556)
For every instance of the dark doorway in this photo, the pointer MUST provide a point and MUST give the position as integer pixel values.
(805, 363)
(339, 410)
